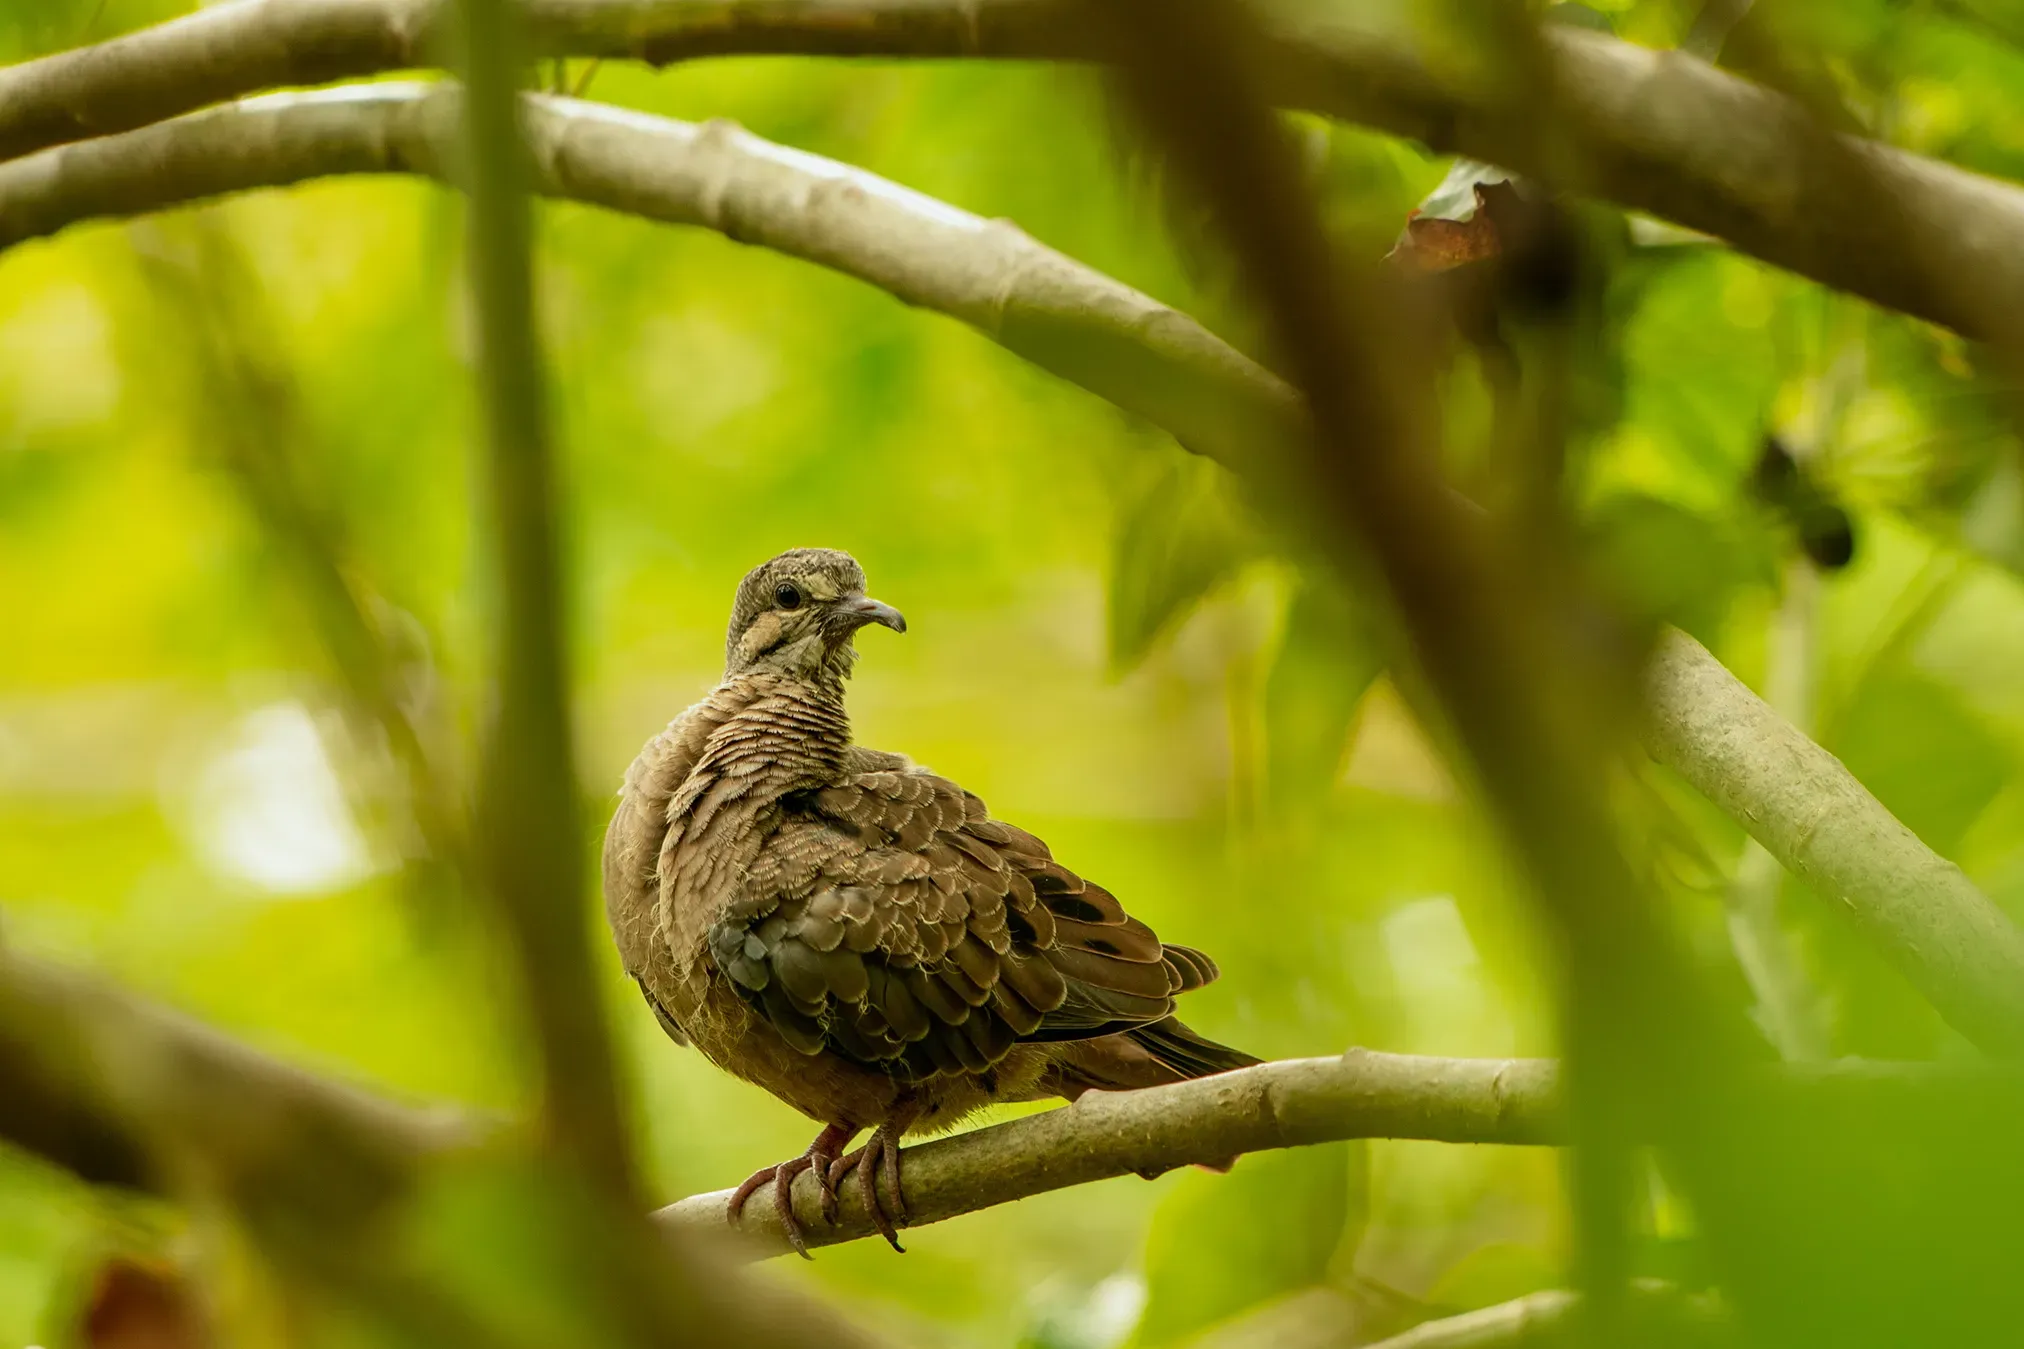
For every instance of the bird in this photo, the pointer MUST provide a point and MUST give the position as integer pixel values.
(856, 934)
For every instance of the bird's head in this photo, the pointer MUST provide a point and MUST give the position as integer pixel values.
(796, 614)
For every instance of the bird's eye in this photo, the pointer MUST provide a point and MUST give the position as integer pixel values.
(788, 597)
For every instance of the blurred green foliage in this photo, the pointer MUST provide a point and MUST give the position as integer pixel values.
(1103, 644)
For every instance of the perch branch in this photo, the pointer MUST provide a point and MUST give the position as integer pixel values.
(1291, 1103)
(1661, 132)
(1361, 1094)
(1064, 317)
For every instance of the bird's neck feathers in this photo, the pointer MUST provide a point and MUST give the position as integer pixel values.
(791, 727)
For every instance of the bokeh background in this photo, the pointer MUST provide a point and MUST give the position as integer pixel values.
(1103, 644)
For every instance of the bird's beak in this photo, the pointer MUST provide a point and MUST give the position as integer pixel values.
(861, 611)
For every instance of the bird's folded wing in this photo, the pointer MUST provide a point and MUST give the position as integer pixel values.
(890, 919)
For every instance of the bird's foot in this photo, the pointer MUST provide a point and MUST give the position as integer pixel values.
(820, 1158)
(879, 1155)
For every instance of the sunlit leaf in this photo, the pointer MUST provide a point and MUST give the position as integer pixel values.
(1174, 545)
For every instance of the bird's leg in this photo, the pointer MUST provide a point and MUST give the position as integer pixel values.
(820, 1157)
(881, 1154)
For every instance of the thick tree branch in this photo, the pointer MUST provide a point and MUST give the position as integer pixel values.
(1809, 812)
(1657, 131)
(1064, 317)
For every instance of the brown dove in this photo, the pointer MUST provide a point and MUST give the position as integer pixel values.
(857, 935)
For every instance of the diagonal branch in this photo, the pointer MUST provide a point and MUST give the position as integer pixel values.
(1808, 811)
(1661, 132)
(1076, 323)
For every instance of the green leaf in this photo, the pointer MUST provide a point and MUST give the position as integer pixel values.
(1915, 744)
(1667, 563)
(1328, 658)
(1221, 1244)
(1174, 546)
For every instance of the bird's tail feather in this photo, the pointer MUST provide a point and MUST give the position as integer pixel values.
(1174, 1047)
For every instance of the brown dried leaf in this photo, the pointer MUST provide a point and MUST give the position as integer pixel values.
(1437, 244)
(139, 1304)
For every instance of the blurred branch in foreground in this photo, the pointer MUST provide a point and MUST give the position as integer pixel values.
(326, 1177)
(526, 832)
(1662, 132)
(1490, 622)
(1086, 328)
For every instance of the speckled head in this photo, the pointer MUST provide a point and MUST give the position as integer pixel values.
(795, 616)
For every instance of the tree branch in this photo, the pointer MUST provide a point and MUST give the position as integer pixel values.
(1361, 1094)
(1067, 318)
(1945, 936)
(1074, 322)
(527, 838)
(1533, 718)
(1661, 132)
(125, 1093)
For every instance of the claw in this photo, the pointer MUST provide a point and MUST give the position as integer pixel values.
(821, 1159)
(880, 1154)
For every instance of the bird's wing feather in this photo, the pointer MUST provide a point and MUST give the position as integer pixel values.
(889, 918)
(638, 830)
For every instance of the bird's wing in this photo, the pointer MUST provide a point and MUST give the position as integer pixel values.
(889, 918)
